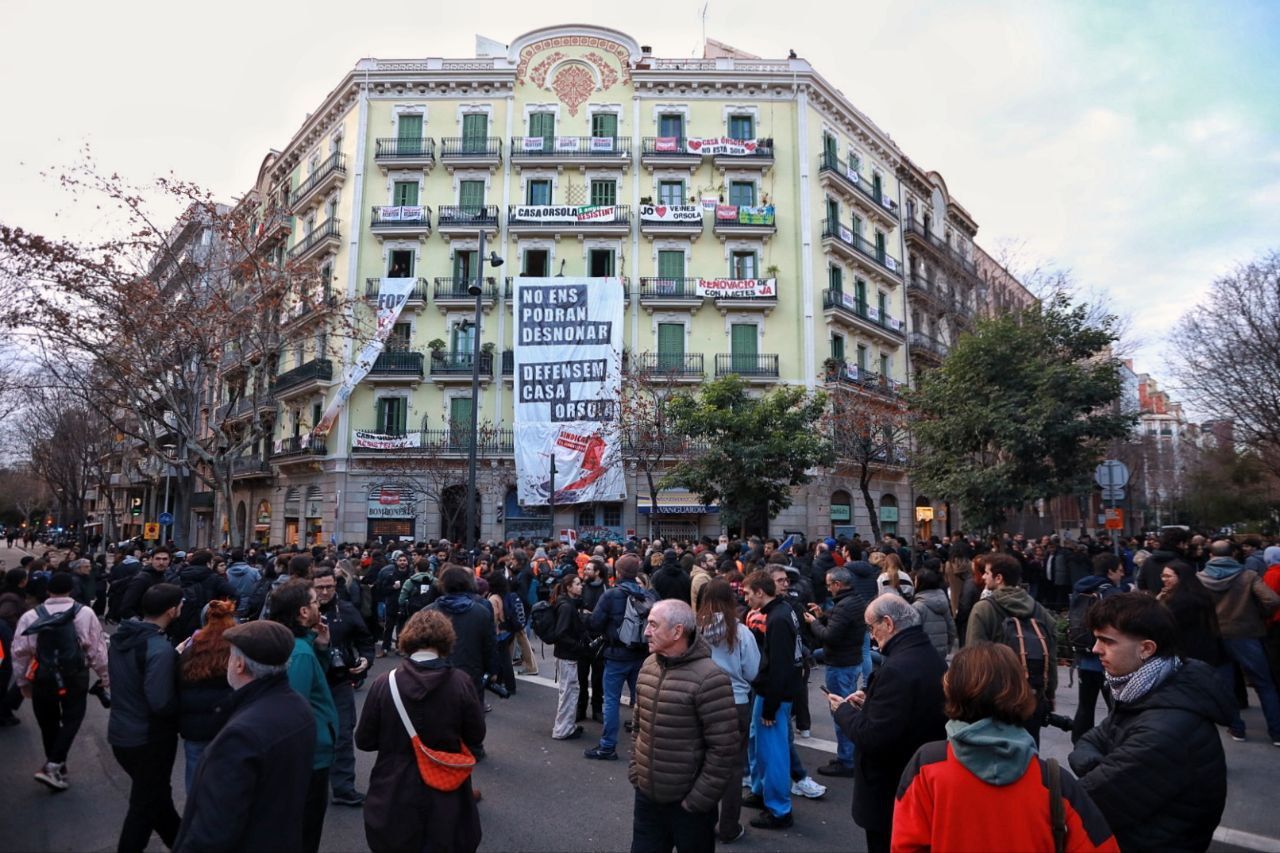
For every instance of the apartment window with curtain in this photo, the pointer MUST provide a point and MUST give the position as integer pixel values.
(743, 265)
(464, 338)
(464, 268)
(671, 192)
(742, 193)
(742, 127)
(538, 191)
(604, 193)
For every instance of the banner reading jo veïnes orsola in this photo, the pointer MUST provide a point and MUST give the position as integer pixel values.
(568, 364)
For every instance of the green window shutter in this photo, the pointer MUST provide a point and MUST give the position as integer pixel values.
(382, 415)
(857, 226)
(835, 279)
(542, 124)
(671, 124)
(829, 149)
(833, 214)
(882, 303)
(475, 127)
(405, 193)
(877, 186)
(409, 127)
(604, 193)
(743, 347)
(670, 345)
(741, 127)
(742, 194)
(471, 194)
(860, 294)
(464, 264)
(670, 264)
(862, 357)
(884, 366)
(880, 245)
(460, 413)
(604, 125)
(837, 347)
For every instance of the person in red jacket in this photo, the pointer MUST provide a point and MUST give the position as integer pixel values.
(988, 766)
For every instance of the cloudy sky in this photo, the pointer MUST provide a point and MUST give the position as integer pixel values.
(1137, 143)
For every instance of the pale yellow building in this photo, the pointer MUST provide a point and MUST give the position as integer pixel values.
(868, 264)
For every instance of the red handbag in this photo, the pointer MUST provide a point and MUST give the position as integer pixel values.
(443, 771)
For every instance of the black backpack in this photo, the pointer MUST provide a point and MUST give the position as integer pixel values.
(194, 598)
(1030, 643)
(59, 654)
(420, 597)
(513, 618)
(543, 617)
(1078, 633)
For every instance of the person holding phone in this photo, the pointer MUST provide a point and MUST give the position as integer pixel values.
(842, 631)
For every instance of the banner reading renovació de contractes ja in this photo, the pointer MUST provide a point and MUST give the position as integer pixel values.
(393, 293)
(568, 366)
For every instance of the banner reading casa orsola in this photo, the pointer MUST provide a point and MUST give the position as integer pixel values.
(568, 380)
(563, 212)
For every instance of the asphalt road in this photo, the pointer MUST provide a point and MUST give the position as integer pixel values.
(539, 794)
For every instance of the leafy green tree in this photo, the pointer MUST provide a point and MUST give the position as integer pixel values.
(757, 448)
(1021, 409)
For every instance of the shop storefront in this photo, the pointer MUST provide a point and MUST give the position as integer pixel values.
(523, 522)
(391, 514)
(678, 514)
(262, 523)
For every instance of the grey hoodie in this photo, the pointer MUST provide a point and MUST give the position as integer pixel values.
(935, 615)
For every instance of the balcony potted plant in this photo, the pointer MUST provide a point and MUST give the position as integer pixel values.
(832, 367)
(436, 345)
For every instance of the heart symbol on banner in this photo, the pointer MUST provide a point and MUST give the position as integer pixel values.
(695, 144)
(661, 211)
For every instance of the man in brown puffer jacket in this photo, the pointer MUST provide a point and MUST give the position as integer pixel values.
(686, 736)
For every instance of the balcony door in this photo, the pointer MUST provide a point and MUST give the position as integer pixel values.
(475, 133)
(670, 346)
(671, 125)
(743, 348)
(600, 263)
(409, 135)
(464, 269)
(604, 125)
(471, 195)
(405, 194)
(537, 263)
(459, 421)
(543, 125)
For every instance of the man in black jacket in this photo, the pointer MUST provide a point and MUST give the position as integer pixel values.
(1155, 766)
(475, 651)
(900, 711)
(252, 781)
(351, 649)
(841, 631)
(777, 683)
(200, 585)
(147, 576)
(143, 726)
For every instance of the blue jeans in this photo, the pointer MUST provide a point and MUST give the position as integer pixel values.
(616, 673)
(191, 751)
(1252, 658)
(771, 764)
(866, 660)
(843, 680)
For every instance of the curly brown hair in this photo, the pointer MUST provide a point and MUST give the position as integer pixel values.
(207, 655)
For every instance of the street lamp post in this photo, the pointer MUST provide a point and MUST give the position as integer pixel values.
(476, 290)
(168, 528)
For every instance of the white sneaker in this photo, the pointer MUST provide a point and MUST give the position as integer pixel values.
(805, 733)
(51, 775)
(807, 787)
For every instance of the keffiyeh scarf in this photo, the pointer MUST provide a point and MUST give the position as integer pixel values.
(1144, 679)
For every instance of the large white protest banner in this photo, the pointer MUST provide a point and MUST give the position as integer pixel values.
(568, 366)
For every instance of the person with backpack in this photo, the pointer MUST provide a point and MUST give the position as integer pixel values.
(620, 617)
(416, 592)
(1011, 616)
(1107, 579)
(242, 576)
(591, 665)
(509, 620)
(54, 647)
(988, 765)
(143, 726)
(149, 573)
(569, 634)
(200, 584)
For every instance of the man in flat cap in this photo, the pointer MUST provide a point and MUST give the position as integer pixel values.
(251, 782)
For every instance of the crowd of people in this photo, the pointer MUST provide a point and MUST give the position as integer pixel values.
(940, 665)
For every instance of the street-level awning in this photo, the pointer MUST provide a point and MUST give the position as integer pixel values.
(674, 502)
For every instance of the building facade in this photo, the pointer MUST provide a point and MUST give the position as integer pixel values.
(758, 223)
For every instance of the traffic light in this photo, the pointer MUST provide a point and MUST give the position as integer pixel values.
(135, 507)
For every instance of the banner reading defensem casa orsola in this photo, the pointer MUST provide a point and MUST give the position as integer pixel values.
(568, 366)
